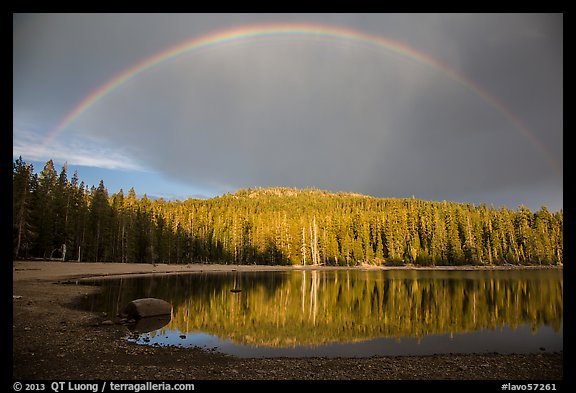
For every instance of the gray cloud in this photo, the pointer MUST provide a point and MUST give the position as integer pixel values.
(298, 112)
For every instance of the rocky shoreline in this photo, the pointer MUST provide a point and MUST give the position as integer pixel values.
(54, 339)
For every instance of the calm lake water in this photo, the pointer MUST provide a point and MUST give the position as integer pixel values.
(349, 312)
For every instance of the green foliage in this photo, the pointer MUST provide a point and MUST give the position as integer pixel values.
(270, 226)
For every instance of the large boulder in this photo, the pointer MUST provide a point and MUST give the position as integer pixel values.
(147, 307)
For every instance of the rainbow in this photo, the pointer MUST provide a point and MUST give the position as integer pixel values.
(299, 30)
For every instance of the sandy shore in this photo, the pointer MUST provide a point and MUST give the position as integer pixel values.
(37, 270)
(53, 339)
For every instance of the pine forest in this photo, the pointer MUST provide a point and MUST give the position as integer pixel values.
(55, 217)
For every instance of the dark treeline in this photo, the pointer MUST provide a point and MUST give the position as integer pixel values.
(57, 217)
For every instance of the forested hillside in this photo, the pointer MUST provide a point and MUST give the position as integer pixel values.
(57, 217)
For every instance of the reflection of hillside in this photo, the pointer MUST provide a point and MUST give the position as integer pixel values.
(318, 307)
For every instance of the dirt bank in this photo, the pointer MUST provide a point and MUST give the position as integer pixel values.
(54, 340)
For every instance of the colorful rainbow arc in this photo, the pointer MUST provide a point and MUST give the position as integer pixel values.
(303, 30)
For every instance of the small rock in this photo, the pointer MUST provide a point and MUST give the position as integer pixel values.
(107, 322)
(182, 336)
(104, 314)
(16, 297)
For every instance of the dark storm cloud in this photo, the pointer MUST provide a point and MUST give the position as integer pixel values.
(518, 58)
(266, 114)
(301, 113)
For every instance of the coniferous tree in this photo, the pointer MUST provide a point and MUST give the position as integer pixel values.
(61, 212)
(23, 186)
(44, 211)
(99, 224)
(271, 226)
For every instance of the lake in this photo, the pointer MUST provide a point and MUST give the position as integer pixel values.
(348, 312)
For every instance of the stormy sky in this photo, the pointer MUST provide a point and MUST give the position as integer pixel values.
(293, 111)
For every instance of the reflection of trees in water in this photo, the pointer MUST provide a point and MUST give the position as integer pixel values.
(313, 295)
(176, 289)
(316, 307)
